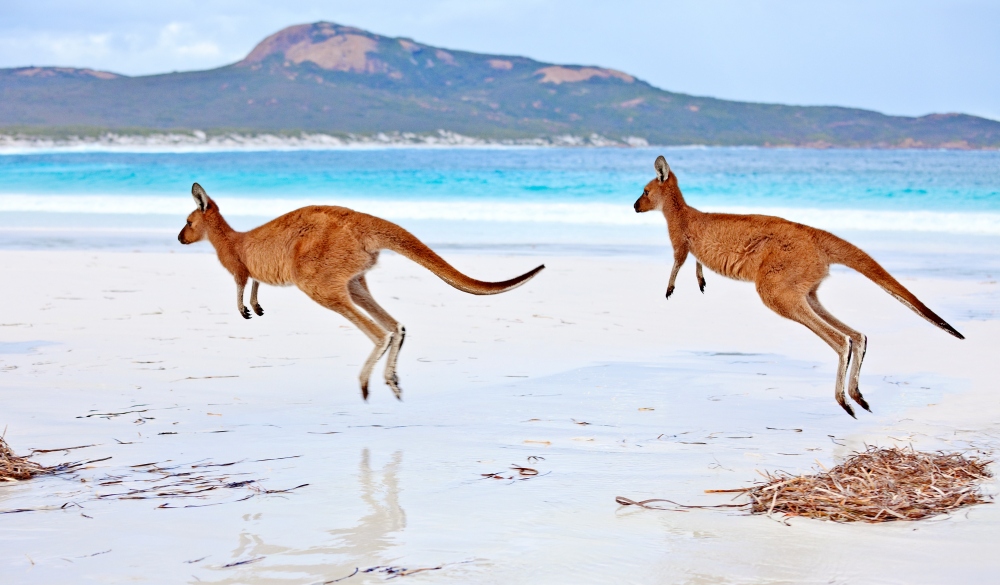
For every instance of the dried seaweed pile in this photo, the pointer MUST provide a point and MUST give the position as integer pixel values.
(877, 485)
(14, 468)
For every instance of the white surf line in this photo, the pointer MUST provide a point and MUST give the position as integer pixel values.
(581, 213)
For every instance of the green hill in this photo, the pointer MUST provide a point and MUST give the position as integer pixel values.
(335, 79)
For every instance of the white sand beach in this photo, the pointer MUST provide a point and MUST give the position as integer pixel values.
(586, 374)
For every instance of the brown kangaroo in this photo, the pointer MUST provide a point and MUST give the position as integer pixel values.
(786, 260)
(326, 251)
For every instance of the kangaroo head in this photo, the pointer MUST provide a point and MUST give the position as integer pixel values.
(658, 190)
(195, 229)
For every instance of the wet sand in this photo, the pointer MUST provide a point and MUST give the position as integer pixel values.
(586, 374)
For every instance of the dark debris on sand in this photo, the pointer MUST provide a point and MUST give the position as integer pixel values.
(150, 481)
(145, 481)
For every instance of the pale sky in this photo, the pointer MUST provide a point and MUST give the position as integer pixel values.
(909, 57)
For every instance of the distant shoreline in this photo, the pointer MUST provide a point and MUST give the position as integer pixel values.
(200, 141)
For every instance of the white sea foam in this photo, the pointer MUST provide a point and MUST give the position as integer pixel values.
(592, 213)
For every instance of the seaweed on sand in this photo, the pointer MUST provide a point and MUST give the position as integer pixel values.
(14, 468)
(877, 485)
(149, 481)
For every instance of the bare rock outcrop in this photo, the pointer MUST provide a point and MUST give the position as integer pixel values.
(329, 46)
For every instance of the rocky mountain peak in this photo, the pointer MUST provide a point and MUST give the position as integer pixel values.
(329, 46)
(335, 47)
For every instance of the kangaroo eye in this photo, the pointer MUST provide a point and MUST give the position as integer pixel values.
(645, 191)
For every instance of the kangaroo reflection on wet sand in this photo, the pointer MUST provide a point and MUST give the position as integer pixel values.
(371, 536)
(364, 545)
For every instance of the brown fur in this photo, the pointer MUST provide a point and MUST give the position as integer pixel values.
(326, 251)
(786, 260)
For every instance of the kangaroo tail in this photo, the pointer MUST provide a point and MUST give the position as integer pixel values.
(390, 236)
(843, 252)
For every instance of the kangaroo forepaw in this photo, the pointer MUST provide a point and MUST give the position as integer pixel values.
(259, 310)
(245, 312)
(670, 291)
(701, 286)
(364, 390)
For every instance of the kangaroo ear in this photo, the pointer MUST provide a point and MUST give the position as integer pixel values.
(662, 169)
(200, 197)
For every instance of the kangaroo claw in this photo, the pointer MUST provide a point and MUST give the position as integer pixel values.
(856, 395)
(392, 381)
(259, 310)
(670, 291)
(245, 312)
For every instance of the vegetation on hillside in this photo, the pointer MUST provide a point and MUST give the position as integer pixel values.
(333, 79)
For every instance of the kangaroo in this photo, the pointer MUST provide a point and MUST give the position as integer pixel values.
(786, 260)
(325, 251)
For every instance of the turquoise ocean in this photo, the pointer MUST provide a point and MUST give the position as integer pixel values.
(927, 210)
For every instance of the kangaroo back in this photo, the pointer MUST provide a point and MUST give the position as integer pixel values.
(843, 252)
(389, 236)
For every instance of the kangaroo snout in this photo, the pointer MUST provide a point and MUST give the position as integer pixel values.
(636, 205)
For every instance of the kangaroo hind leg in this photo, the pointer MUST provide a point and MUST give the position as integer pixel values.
(363, 298)
(792, 306)
(859, 345)
(340, 302)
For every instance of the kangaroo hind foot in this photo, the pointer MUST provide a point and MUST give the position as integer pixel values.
(842, 367)
(802, 310)
(360, 295)
(341, 303)
(366, 371)
(859, 345)
(391, 378)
